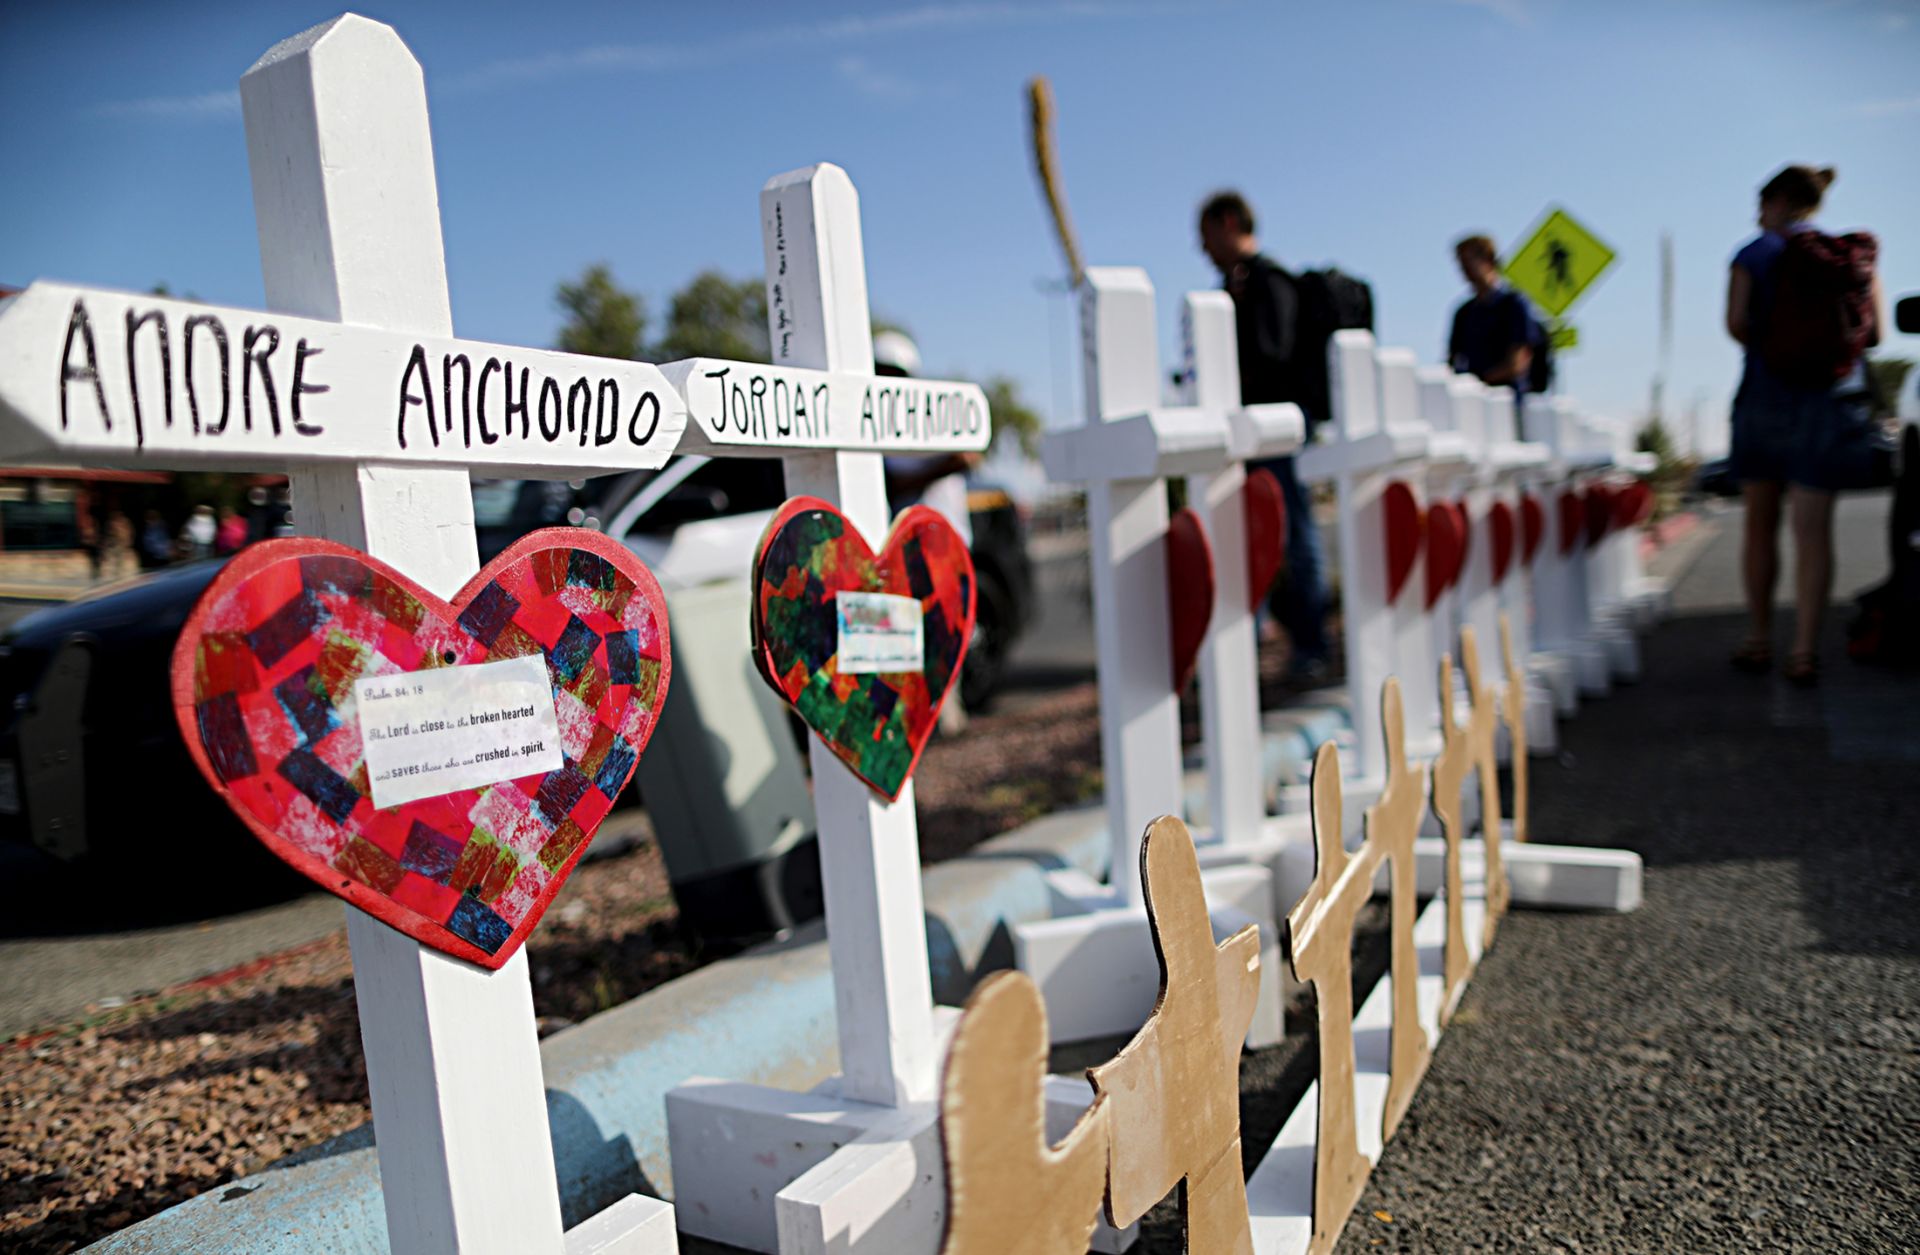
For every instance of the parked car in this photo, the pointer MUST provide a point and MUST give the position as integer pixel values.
(92, 765)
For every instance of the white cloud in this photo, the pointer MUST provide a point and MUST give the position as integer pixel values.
(870, 80)
(842, 32)
(737, 44)
(1887, 108)
(205, 105)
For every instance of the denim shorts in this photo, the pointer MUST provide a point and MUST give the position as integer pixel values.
(1794, 436)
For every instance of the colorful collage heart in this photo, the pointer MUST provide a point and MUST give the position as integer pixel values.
(876, 722)
(265, 680)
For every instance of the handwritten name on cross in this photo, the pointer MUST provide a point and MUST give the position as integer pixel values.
(113, 378)
(1450, 769)
(1513, 706)
(1175, 1089)
(1320, 949)
(1392, 824)
(1009, 1190)
(1481, 726)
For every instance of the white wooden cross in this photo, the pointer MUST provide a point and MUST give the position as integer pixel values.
(756, 1166)
(1564, 630)
(1094, 962)
(352, 385)
(1374, 438)
(1238, 828)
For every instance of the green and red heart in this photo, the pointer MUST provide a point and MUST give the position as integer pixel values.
(876, 722)
(265, 679)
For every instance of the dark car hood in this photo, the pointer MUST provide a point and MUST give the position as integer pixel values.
(144, 606)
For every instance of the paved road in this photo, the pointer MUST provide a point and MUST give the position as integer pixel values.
(1735, 1067)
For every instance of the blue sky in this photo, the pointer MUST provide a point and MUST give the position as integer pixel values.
(1369, 133)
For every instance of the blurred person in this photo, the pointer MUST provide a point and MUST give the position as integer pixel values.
(1495, 335)
(232, 534)
(1274, 367)
(1805, 306)
(156, 542)
(198, 533)
(938, 480)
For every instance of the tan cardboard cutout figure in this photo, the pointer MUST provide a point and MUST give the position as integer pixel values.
(1449, 777)
(1480, 737)
(1513, 704)
(1320, 948)
(1392, 823)
(1175, 1090)
(1008, 1191)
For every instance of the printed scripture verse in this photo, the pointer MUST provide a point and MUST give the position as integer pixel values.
(432, 732)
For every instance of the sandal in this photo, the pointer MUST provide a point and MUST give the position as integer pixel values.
(1755, 657)
(1802, 669)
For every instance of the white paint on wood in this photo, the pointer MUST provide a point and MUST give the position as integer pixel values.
(1127, 523)
(1566, 877)
(1099, 973)
(869, 848)
(636, 1225)
(744, 407)
(345, 198)
(101, 377)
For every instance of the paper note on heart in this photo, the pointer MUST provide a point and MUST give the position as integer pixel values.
(864, 647)
(440, 765)
(1266, 511)
(1190, 589)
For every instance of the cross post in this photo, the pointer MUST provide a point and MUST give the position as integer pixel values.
(1229, 660)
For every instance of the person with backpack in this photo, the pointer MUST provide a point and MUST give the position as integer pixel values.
(1283, 322)
(1495, 336)
(1805, 306)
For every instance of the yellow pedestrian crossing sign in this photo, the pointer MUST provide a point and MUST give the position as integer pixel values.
(1559, 261)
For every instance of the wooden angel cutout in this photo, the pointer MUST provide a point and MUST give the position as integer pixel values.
(1449, 776)
(1480, 737)
(1320, 948)
(1513, 705)
(1174, 1091)
(1392, 823)
(1008, 1191)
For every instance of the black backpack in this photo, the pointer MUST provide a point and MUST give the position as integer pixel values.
(1540, 340)
(1330, 300)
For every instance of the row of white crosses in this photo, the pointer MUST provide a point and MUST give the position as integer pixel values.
(1094, 961)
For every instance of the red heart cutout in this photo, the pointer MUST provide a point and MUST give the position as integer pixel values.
(1404, 527)
(1266, 511)
(1190, 591)
(876, 722)
(1599, 505)
(1632, 504)
(1533, 525)
(1500, 536)
(1573, 520)
(1446, 547)
(264, 686)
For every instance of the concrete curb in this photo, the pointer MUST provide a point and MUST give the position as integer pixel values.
(764, 1016)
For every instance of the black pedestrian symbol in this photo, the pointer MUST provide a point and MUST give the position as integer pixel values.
(1559, 264)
